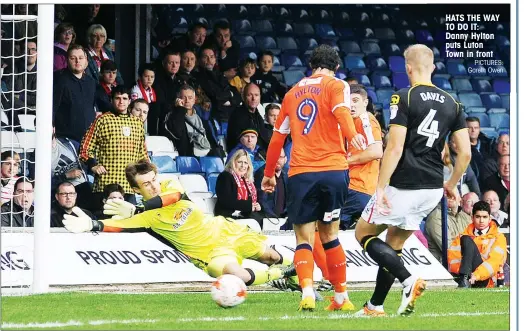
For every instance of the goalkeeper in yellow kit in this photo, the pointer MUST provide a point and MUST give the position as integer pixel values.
(214, 244)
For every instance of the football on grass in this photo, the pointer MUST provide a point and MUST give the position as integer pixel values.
(228, 291)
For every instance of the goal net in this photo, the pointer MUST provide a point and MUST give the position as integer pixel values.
(26, 76)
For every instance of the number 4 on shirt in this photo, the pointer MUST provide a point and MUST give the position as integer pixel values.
(429, 128)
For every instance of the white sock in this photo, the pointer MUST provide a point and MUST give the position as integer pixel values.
(373, 307)
(340, 297)
(409, 281)
(308, 292)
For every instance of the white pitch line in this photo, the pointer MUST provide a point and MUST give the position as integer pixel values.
(230, 319)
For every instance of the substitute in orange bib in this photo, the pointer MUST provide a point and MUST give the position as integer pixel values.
(316, 113)
(479, 252)
(363, 165)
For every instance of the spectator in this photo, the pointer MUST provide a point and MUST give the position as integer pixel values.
(195, 38)
(490, 166)
(18, 212)
(25, 90)
(228, 49)
(166, 85)
(468, 177)
(236, 192)
(66, 166)
(247, 70)
(113, 141)
(480, 145)
(272, 90)
(499, 181)
(224, 98)
(139, 108)
(248, 142)
(497, 215)
(274, 204)
(73, 97)
(144, 85)
(457, 219)
(475, 263)
(351, 80)
(468, 200)
(247, 116)
(186, 68)
(66, 198)
(184, 126)
(111, 191)
(10, 169)
(65, 36)
(107, 81)
(97, 52)
(84, 16)
(270, 117)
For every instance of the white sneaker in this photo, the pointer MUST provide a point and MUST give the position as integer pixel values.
(409, 295)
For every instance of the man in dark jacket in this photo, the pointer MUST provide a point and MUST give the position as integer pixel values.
(73, 97)
(228, 49)
(247, 116)
(27, 94)
(65, 201)
(224, 98)
(480, 145)
(274, 204)
(19, 211)
(499, 181)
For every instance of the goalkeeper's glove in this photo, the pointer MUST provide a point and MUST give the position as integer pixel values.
(80, 223)
(119, 209)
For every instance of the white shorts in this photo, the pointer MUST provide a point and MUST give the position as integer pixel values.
(408, 207)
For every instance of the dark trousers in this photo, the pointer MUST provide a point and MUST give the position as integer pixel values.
(471, 259)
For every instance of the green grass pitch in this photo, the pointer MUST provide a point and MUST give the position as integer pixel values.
(450, 309)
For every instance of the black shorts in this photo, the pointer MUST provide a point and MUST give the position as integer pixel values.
(316, 196)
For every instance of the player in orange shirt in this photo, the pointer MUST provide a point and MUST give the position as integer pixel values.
(363, 165)
(316, 113)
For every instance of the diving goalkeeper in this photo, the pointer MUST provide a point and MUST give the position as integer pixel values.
(214, 244)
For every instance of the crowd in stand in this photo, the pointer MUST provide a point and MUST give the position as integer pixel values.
(196, 88)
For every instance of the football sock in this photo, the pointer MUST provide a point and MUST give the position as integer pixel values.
(384, 282)
(260, 276)
(319, 255)
(304, 266)
(385, 256)
(336, 261)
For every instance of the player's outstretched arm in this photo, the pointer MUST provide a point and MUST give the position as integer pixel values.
(83, 223)
(392, 155)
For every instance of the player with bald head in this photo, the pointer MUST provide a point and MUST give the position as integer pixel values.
(411, 176)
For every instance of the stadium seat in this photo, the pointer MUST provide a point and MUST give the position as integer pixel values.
(303, 29)
(481, 86)
(490, 132)
(159, 143)
(440, 68)
(384, 95)
(212, 182)
(483, 118)
(498, 71)
(172, 155)
(384, 34)
(324, 31)
(499, 120)
(246, 42)
(365, 33)
(454, 95)
(476, 110)
(242, 27)
(380, 81)
(352, 62)
(284, 29)
(491, 100)
(307, 44)
(363, 79)
(194, 183)
(211, 164)
(346, 33)
(210, 204)
(505, 101)
(262, 27)
(461, 85)
(400, 80)
(291, 77)
(287, 44)
(377, 63)
(188, 164)
(267, 43)
(370, 47)
(26, 140)
(397, 64)
(372, 95)
(260, 11)
(456, 69)
(289, 60)
(424, 37)
(501, 86)
(436, 53)
(470, 99)
(350, 47)
(27, 122)
(390, 49)
(442, 83)
(406, 36)
(341, 74)
(497, 111)
(164, 164)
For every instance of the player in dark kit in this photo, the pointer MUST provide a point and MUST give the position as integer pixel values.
(421, 118)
